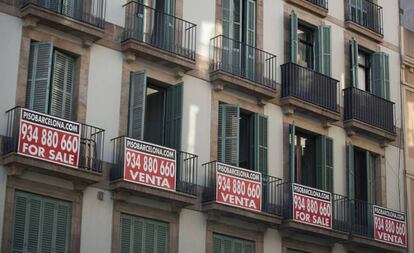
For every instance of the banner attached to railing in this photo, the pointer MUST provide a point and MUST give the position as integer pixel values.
(238, 187)
(49, 138)
(390, 226)
(312, 206)
(149, 164)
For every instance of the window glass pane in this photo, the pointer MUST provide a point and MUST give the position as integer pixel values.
(361, 78)
(305, 159)
(305, 47)
(154, 117)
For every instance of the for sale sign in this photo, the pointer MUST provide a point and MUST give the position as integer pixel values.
(312, 206)
(49, 138)
(390, 226)
(238, 187)
(149, 164)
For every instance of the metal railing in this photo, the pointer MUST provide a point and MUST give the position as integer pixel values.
(320, 3)
(88, 11)
(242, 60)
(270, 193)
(310, 86)
(91, 141)
(186, 173)
(365, 13)
(361, 218)
(160, 30)
(369, 108)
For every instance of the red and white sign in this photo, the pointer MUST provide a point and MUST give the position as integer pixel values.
(149, 164)
(390, 226)
(238, 187)
(49, 138)
(312, 206)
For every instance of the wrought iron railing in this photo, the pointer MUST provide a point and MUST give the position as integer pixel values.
(320, 3)
(242, 60)
(161, 30)
(186, 171)
(91, 141)
(310, 86)
(361, 218)
(270, 193)
(369, 108)
(365, 13)
(88, 11)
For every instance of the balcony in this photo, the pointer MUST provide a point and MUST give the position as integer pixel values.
(84, 19)
(369, 114)
(159, 37)
(263, 207)
(83, 165)
(332, 226)
(365, 18)
(319, 7)
(366, 228)
(242, 67)
(172, 176)
(305, 90)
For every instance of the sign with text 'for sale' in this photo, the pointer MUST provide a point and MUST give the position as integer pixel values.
(49, 138)
(149, 164)
(238, 187)
(312, 206)
(390, 226)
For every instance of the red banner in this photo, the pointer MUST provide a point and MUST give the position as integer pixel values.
(390, 226)
(49, 138)
(238, 187)
(312, 206)
(150, 164)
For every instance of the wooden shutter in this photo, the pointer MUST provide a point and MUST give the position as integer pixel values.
(40, 224)
(250, 33)
(260, 143)
(370, 160)
(354, 61)
(293, 37)
(226, 244)
(228, 134)
(324, 163)
(173, 116)
(62, 85)
(323, 61)
(292, 137)
(38, 80)
(380, 75)
(137, 99)
(143, 235)
(350, 171)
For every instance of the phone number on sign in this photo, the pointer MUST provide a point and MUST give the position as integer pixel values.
(49, 144)
(150, 170)
(312, 211)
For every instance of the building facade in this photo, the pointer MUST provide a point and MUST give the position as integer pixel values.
(202, 126)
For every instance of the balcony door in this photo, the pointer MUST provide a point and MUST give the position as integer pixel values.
(239, 30)
(164, 24)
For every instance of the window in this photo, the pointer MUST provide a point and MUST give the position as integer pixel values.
(40, 224)
(311, 159)
(310, 46)
(226, 244)
(50, 80)
(242, 138)
(161, 123)
(138, 234)
(369, 70)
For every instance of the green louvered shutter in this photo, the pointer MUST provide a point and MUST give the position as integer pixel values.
(260, 143)
(137, 232)
(380, 75)
(292, 137)
(173, 116)
(62, 85)
(38, 80)
(323, 61)
(126, 234)
(370, 160)
(293, 37)
(350, 171)
(137, 99)
(228, 134)
(21, 205)
(139, 21)
(324, 163)
(226, 244)
(249, 247)
(62, 228)
(354, 61)
(250, 33)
